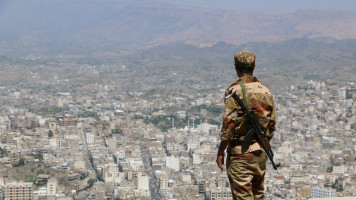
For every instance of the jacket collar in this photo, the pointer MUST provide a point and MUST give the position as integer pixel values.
(248, 79)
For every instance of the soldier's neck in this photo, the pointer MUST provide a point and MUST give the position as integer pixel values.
(240, 75)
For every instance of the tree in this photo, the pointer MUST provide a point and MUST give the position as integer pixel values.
(329, 169)
(337, 186)
(21, 162)
(2, 152)
(83, 176)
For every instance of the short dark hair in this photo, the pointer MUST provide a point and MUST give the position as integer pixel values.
(245, 69)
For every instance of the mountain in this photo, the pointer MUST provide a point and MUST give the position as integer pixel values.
(96, 26)
(277, 63)
(182, 67)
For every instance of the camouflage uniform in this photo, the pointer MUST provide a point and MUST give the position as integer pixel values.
(246, 171)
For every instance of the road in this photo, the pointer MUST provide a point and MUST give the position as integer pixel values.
(84, 149)
(154, 188)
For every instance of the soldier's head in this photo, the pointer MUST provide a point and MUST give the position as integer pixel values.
(244, 63)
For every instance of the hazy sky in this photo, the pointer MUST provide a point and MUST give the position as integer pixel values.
(269, 6)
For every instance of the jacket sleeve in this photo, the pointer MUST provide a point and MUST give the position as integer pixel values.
(229, 120)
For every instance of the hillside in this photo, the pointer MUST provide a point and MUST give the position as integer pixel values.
(179, 66)
(279, 62)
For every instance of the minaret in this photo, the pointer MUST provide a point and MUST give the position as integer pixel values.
(193, 121)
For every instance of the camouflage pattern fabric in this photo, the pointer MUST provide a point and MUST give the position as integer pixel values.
(260, 99)
(246, 172)
(246, 175)
(244, 59)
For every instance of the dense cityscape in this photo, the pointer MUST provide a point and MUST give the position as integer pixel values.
(98, 143)
(123, 100)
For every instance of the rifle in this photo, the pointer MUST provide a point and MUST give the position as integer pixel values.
(255, 130)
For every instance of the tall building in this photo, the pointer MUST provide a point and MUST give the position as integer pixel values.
(143, 184)
(163, 183)
(18, 190)
(112, 144)
(90, 138)
(51, 187)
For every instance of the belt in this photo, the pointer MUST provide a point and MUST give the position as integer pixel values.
(252, 153)
(234, 143)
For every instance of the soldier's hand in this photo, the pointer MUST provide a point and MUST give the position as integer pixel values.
(220, 161)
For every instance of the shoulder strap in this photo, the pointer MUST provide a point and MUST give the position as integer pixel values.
(243, 92)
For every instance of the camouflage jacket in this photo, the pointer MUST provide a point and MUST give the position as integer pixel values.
(260, 99)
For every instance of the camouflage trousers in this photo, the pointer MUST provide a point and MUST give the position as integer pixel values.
(246, 175)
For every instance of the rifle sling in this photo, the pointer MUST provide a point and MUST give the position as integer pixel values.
(243, 87)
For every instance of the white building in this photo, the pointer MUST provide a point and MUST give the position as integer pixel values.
(207, 128)
(120, 154)
(55, 142)
(136, 164)
(143, 182)
(193, 143)
(173, 163)
(90, 138)
(51, 187)
(339, 169)
(197, 159)
(318, 192)
(112, 144)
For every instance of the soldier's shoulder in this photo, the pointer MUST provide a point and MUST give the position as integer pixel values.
(235, 85)
(258, 87)
(265, 87)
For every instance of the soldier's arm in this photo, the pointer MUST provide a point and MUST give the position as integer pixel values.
(229, 120)
(221, 155)
(227, 130)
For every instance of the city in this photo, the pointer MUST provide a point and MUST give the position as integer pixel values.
(98, 144)
(123, 100)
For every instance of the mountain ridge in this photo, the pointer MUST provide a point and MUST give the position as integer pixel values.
(87, 27)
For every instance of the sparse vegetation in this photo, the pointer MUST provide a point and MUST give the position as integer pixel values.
(38, 156)
(83, 176)
(337, 186)
(20, 163)
(2, 152)
(117, 131)
(48, 111)
(87, 114)
(30, 178)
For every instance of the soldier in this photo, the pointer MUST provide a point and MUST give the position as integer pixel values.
(246, 171)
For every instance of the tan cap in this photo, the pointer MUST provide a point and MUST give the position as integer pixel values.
(244, 59)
